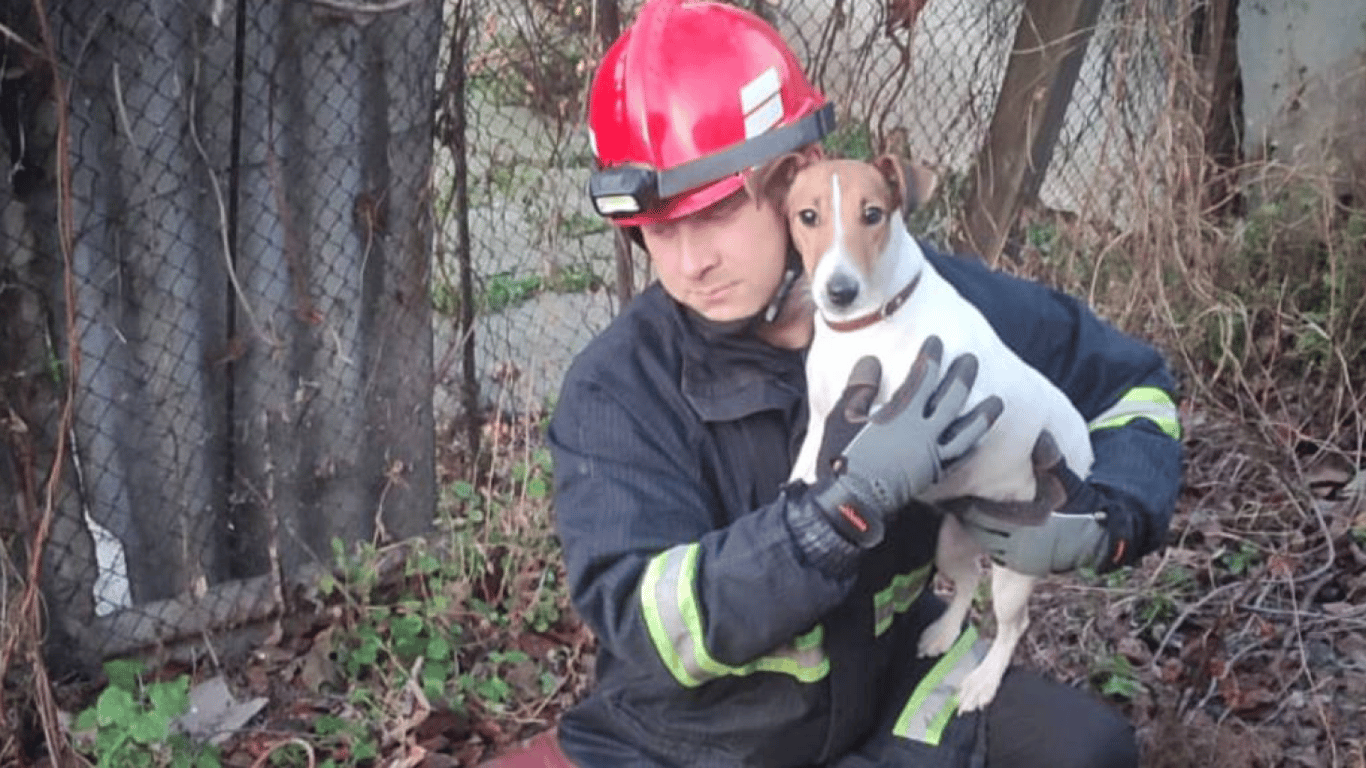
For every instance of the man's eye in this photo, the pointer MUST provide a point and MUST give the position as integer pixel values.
(872, 215)
(808, 217)
(659, 230)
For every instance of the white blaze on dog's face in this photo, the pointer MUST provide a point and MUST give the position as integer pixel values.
(841, 215)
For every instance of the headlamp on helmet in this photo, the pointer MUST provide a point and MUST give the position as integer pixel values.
(629, 190)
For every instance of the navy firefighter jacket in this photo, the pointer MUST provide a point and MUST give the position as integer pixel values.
(718, 643)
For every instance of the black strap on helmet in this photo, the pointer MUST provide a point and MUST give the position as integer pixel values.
(627, 190)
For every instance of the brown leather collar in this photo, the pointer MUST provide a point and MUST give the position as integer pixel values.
(885, 311)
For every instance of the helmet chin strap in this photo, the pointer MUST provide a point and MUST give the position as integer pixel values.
(792, 270)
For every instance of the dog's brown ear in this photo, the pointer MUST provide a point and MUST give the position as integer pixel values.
(890, 168)
(772, 179)
(912, 183)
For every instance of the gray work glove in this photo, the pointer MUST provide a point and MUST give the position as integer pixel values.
(1090, 528)
(903, 447)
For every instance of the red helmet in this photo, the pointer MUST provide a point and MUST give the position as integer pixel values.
(686, 101)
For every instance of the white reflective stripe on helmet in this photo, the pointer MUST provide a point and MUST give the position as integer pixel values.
(761, 101)
(1148, 403)
(673, 616)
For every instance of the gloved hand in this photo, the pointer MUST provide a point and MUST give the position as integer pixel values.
(906, 445)
(1090, 529)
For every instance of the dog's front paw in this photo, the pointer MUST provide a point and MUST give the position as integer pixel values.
(978, 689)
(938, 637)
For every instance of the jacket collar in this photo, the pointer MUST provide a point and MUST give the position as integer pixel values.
(727, 376)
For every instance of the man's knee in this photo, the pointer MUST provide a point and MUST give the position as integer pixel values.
(1036, 721)
(1111, 744)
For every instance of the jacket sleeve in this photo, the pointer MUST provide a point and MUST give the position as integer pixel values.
(1122, 387)
(650, 568)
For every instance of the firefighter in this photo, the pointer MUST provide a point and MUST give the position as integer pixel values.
(736, 624)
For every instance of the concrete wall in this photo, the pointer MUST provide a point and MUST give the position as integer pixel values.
(1304, 82)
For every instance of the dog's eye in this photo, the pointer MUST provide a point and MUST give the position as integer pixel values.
(872, 215)
(807, 216)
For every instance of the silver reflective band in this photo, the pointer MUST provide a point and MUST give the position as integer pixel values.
(615, 205)
(935, 700)
(897, 597)
(673, 617)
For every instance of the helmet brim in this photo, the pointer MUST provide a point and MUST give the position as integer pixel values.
(686, 204)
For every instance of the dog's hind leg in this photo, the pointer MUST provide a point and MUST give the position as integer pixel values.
(1010, 600)
(956, 555)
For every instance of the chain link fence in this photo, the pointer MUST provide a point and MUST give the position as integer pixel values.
(216, 344)
(916, 77)
(234, 331)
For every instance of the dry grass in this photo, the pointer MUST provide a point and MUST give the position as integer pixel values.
(1240, 645)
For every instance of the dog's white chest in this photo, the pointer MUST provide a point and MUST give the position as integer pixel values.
(1000, 468)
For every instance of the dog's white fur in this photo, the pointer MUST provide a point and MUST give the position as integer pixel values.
(881, 259)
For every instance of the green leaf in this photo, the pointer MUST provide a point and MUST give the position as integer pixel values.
(434, 677)
(494, 690)
(406, 627)
(536, 488)
(329, 725)
(150, 728)
(171, 698)
(364, 749)
(124, 673)
(114, 707)
(543, 459)
(509, 657)
(438, 649)
(549, 683)
(463, 489)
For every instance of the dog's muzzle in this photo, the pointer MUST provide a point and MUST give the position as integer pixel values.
(841, 290)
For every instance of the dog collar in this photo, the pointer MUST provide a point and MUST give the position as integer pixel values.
(883, 312)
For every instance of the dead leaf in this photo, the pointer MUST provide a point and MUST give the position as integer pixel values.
(1329, 475)
(317, 668)
(1134, 650)
(258, 679)
(902, 14)
(214, 713)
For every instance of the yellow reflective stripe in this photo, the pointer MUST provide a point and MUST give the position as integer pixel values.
(663, 617)
(1148, 403)
(804, 658)
(935, 699)
(897, 597)
(673, 617)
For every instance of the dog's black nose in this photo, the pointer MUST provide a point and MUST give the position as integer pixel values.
(842, 290)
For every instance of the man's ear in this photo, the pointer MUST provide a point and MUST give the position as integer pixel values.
(912, 183)
(773, 179)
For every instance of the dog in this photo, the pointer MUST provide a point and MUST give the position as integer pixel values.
(876, 294)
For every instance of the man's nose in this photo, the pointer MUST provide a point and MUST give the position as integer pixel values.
(696, 252)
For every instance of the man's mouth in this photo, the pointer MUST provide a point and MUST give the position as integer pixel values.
(717, 294)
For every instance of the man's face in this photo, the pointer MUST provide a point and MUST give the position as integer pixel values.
(723, 262)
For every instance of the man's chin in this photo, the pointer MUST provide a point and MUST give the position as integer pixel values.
(724, 314)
